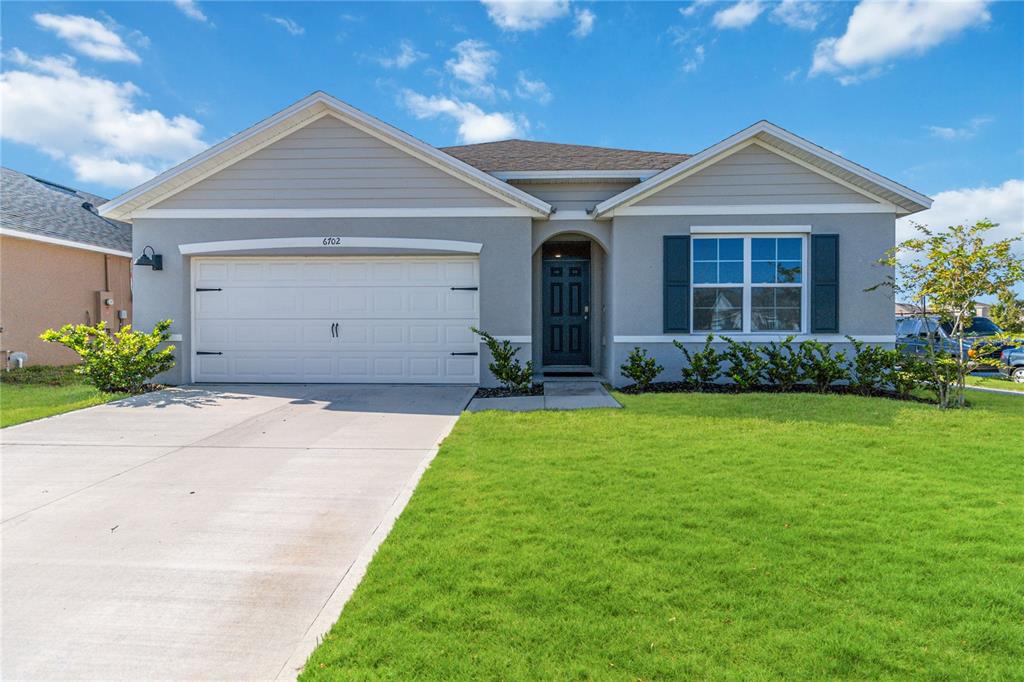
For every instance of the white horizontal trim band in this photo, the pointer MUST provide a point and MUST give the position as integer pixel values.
(576, 175)
(748, 229)
(754, 209)
(330, 244)
(513, 339)
(578, 214)
(765, 338)
(455, 212)
(31, 236)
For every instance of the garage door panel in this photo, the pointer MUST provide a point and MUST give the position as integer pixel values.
(337, 319)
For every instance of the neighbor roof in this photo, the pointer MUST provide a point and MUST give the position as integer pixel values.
(47, 209)
(527, 155)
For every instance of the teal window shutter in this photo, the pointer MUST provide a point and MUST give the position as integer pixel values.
(676, 284)
(825, 283)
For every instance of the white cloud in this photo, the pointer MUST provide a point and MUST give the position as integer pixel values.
(803, 15)
(93, 124)
(965, 132)
(287, 24)
(881, 30)
(740, 15)
(537, 90)
(475, 65)
(88, 37)
(475, 125)
(692, 63)
(525, 15)
(191, 9)
(584, 23)
(407, 56)
(694, 7)
(1003, 204)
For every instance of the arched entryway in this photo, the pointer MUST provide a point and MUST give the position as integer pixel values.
(569, 305)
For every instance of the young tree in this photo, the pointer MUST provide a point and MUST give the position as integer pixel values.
(1008, 312)
(949, 269)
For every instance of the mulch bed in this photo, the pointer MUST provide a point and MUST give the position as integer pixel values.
(499, 392)
(680, 387)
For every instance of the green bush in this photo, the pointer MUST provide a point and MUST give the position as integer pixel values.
(783, 364)
(908, 371)
(505, 367)
(821, 366)
(42, 375)
(872, 368)
(116, 363)
(703, 367)
(746, 366)
(641, 368)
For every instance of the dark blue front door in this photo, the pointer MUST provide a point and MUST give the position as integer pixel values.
(566, 301)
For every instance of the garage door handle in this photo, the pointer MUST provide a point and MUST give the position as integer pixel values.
(465, 288)
(463, 354)
(208, 352)
(201, 289)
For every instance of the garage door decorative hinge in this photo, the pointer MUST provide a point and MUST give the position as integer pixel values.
(465, 288)
(474, 353)
(202, 289)
(208, 352)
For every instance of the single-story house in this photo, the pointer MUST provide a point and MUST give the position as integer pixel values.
(324, 245)
(60, 263)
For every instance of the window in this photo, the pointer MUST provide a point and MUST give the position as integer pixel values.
(748, 284)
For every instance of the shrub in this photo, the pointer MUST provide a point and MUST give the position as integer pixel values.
(907, 373)
(820, 365)
(872, 367)
(505, 367)
(940, 373)
(782, 364)
(121, 362)
(746, 365)
(703, 367)
(641, 368)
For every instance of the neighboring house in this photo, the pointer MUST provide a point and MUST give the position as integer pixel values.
(323, 245)
(60, 262)
(982, 309)
(907, 309)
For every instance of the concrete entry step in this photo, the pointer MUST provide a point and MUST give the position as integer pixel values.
(558, 395)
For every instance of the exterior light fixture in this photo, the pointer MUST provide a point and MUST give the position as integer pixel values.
(152, 259)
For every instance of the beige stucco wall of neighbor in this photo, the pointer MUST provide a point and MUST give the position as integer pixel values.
(45, 285)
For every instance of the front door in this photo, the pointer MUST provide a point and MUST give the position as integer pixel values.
(566, 312)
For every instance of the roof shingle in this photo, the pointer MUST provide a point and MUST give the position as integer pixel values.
(527, 155)
(28, 204)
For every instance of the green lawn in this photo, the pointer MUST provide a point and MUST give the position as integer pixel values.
(36, 392)
(704, 536)
(994, 382)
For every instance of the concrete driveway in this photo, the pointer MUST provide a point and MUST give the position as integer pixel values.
(202, 533)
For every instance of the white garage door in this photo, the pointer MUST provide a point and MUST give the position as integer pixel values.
(327, 320)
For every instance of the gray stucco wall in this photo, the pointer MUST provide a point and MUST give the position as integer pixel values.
(636, 261)
(505, 266)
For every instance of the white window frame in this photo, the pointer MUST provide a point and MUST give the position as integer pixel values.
(747, 285)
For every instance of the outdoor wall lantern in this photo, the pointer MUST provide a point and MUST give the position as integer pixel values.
(152, 259)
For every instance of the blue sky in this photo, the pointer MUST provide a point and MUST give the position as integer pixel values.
(931, 94)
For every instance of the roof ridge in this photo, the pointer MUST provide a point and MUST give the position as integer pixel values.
(565, 144)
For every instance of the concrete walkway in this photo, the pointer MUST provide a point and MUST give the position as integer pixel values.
(202, 533)
(558, 395)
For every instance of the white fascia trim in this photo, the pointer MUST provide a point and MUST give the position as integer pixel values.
(330, 244)
(454, 212)
(352, 116)
(570, 175)
(765, 338)
(31, 236)
(749, 229)
(513, 339)
(738, 141)
(578, 214)
(755, 209)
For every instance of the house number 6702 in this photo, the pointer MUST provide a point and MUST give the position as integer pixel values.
(332, 241)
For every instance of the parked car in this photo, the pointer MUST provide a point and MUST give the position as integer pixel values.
(915, 334)
(1012, 363)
